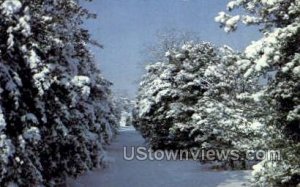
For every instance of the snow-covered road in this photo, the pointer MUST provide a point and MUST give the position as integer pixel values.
(122, 173)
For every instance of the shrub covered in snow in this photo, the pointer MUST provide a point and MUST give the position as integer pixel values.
(55, 108)
(277, 51)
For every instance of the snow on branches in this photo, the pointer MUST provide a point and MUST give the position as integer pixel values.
(193, 100)
(277, 53)
(56, 110)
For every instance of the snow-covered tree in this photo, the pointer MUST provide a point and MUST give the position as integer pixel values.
(55, 109)
(225, 114)
(169, 92)
(278, 51)
(168, 39)
(199, 98)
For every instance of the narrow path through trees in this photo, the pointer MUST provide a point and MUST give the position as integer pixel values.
(122, 173)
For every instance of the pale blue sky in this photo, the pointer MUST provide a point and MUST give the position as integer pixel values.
(125, 27)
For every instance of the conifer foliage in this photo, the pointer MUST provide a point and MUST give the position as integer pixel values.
(278, 51)
(198, 98)
(168, 92)
(208, 97)
(55, 107)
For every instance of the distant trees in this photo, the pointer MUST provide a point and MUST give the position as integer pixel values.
(124, 107)
(55, 107)
(167, 39)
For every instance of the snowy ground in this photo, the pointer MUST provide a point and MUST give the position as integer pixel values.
(122, 173)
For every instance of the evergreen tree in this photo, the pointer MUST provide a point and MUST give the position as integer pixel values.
(225, 114)
(277, 52)
(55, 108)
(169, 92)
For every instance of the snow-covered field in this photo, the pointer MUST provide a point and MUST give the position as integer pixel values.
(122, 173)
